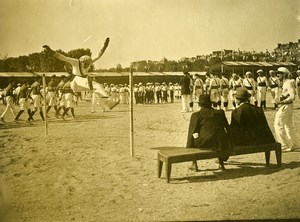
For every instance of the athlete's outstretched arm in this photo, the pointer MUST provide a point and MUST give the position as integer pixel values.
(101, 51)
(60, 56)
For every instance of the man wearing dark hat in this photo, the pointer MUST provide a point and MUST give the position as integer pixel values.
(248, 125)
(208, 129)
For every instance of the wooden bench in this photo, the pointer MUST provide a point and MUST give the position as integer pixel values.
(170, 155)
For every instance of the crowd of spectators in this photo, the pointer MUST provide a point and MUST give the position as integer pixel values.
(253, 56)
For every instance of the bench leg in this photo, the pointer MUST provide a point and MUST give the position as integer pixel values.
(221, 164)
(196, 165)
(278, 154)
(159, 167)
(267, 154)
(168, 170)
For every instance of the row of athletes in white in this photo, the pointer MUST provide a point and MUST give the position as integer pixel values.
(63, 98)
(123, 93)
(158, 88)
(32, 101)
(222, 89)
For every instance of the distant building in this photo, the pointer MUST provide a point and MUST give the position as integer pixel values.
(216, 53)
(290, 50)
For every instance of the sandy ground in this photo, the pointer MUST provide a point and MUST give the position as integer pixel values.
(82, 171)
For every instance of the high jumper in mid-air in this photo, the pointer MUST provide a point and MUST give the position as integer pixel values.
(83, 80)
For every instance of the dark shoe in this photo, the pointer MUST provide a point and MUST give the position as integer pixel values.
(221, 167)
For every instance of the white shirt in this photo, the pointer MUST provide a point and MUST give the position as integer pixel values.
(288, 90)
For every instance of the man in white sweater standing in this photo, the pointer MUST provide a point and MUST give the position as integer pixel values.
(283, 123)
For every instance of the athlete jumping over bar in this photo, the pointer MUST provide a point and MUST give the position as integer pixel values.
(80, 66)
(83, 80)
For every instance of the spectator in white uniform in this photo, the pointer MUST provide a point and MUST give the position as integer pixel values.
(283, 123)
(250, 84)
(274, 84)
(224, 90)
(262, 84)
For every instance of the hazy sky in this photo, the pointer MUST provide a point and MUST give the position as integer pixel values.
(146, 29)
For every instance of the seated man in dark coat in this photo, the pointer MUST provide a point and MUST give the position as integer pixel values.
(208, 129)
(248, 125)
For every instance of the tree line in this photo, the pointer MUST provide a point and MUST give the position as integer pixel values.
(42, 62)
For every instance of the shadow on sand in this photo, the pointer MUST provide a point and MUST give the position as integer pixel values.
(242, 170)
(82, 118)
(77, 119)
(11, 125)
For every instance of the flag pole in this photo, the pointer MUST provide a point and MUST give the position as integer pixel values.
(131, 113)
(45, 104)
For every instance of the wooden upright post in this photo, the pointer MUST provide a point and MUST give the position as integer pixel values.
(131, 113)
(45, 104)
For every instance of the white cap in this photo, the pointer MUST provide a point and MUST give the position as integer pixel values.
(85, 58)
(283, 70)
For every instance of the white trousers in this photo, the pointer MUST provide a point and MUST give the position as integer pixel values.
(214, 95)
(224, 95)
(261, 93)
(9, 106)
(275, 94)
(186, 99)
(253, 96)
(97, 100)
(284, 128)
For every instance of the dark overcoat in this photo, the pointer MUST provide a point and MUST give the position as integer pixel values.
(211, 127)
(249, 126)
(185, 83)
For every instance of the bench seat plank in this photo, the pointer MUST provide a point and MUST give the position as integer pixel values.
(170, 155)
